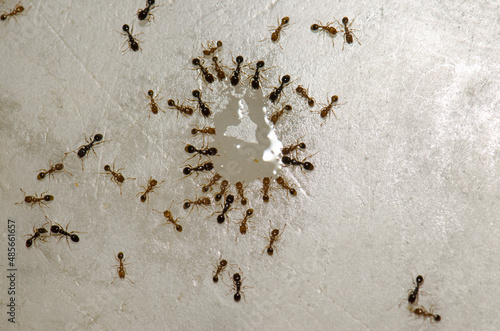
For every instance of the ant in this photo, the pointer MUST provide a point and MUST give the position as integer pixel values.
(221, 265)
(151, 186)
(274, 236)
(275, 36)
(58, 229)
(186, 111)
(91, 143)
(37, 234)
(348, 34)
(293, 147)
(204, 130)
(205, 111)
(133, 42)
(235, 77)
(421, 311)
(283, 182)
(304, 93)
(241, 193)
(266, 184)
(209, 78)
(287, 161)
(212, 151)
(255, 81)
(237, 286)
(198, 202)
(274, 96)
(35, 199)
(120, 269)
(145, 14)
(116, 175)
(413, 296)
(244, 223)
(170, 218)
(227, 205)
(54, 168)
(221, 75)
(325, 111)
(211, 183)
(223, 188)
(207, 166)
(152, 104)
(17, 10)
(211, 48)
(326, 29)
(277, 114)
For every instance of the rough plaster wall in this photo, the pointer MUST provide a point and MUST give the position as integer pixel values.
(406, 180)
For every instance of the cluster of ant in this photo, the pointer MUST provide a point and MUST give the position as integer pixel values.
(42, 234)
(143, 15)
(417, 309)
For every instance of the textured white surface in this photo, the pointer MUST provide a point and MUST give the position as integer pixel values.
(406, 180)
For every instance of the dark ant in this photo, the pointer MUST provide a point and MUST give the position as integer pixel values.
(153, 105)
(204, 130)
(120, 269)
(328, 29)
(227, 205)
(325, 111)
(244, 222)
(421, 311)
(151, 186)
(33, 199)
(37, 234)
(133, 42)
(221, 75)
(58, 229)
(274, 236)
(283, 182)
(198, 202)
(91, 143)
(221, 265)
(275, 36)
(54, 168)
(255, 81)
(116, 175)
(186, 111)
(274, 96)
(211, 48)
(211, 183)
(223, 188)
(212, 151)
(293, 147)
(277, 114)
(205, 111)
(287, 161)
(237, 286)
(266, 184)
(304, 93)
(17, 10)
(413, 296)
(145, 14)
(207, 166)
(241, 193)
(235, 77)
(209, 78)
(170, 218)
(348, 33)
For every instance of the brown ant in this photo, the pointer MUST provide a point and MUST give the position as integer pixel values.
(58, 229)
(205, 111)
(211, 48)
(205, 201)
(133, 42)
(36, 234)
(116, 175)
(328, 29)
(421, 311)
(274, 236)
(274, 96)
(290, 161)
(211, 183)
(120, 269)
(151, 186)
(413, 296)
(348, 32)
(170, 218)
(186, 111)
(275, 36)
(224, 185)
(153, 105)
(293, 147)
(209, 78)
(221, 75)
(188, 170)
(283, 182)
(54, 168)
(266, 184)
(304, 93)
(33, 199)
(221, 265)
(235, 77)
(241, 193)
(255, 80)
(244, 222)
(277, 114)
(325, 111)
(16, 11)
(205, 130)
(91, 143)
(145, 14)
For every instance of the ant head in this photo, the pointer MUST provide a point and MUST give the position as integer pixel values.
(55, 229)
(153, 182)
(293, 191)
(437, 318)
(223, 263)
(186, 205)
(265, 197)
(212, 151)
(266, 180)
(218, 196)
(178, 227)
(205, 111)
(151, 2)
(275, 232)
(219, 43)
(143, 198)
(75, 238)
(107, 167)
(239, 59)
(196, 93)
(190, 149)
(48, 197)
(193, 131)
(120, 255)
(151, 93)
(230, 199)
(186, 171)
(249, 212)
(221, 219)
(205, 201)
(236, 277)
(302, 145)
(205, 189)
(420, 280)
(299, 89)
(42, 230)
(287, 107)
(280, 179)
(215, 279)
(142, 14)
(285, 79)
(126, 28)
(310, 102)
(196, 61)
(98, 137)
(285, 20)
(286, 160)
(41, 176)
(239, 185)
(315, 27)
(260, 64)
(345, 20)
(3, 17)
(308, 166)
(208, 166)
(59, 166)
(171, 102)
(215, 59)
